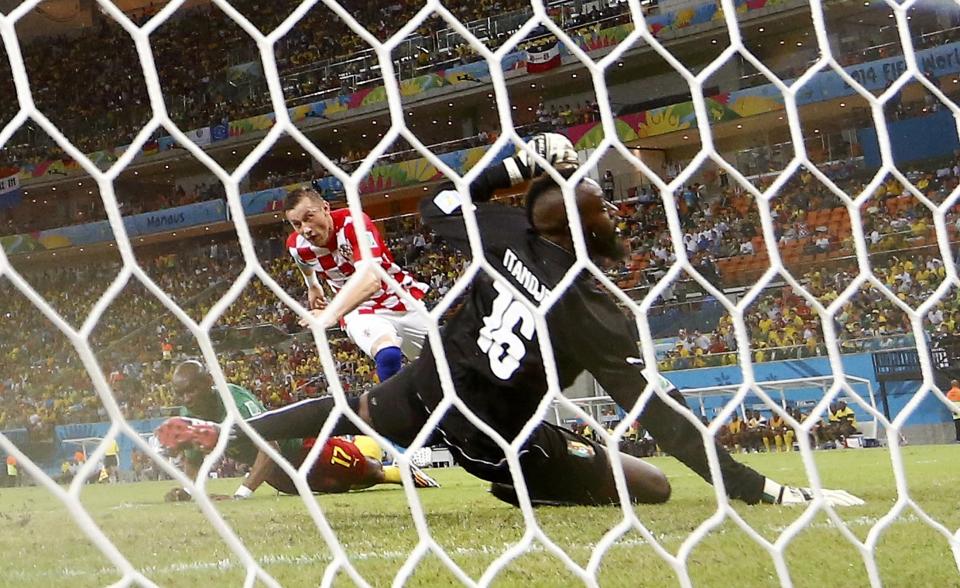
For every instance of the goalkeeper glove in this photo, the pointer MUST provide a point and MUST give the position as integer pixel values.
(554, 147)
(774, 493)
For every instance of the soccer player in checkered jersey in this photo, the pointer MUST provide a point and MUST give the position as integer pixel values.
(326, 243)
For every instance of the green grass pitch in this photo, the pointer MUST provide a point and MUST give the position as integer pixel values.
(174, 545)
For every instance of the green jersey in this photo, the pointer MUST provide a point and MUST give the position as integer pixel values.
(249, 406)
(245, 401)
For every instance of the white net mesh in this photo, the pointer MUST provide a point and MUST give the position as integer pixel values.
(533, 538)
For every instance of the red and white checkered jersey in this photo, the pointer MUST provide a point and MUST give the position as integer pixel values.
(334, 262)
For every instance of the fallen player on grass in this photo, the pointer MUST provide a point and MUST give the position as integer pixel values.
(344, 464)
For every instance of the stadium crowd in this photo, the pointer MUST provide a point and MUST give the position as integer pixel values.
(49, 213)
(210, 74)
(204, 62)
(221, 45)
(137, 338)
(781, 323)
(87, 207)
(136, 341)
(44, 383)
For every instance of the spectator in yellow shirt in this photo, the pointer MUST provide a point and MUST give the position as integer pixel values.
(783, 434)
(765, 325)
(843, 421)
(111, 461)
(731, 435)
(760, 355)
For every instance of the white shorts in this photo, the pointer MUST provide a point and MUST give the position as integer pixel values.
(409, 327)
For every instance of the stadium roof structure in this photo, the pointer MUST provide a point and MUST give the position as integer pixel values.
(591, 404)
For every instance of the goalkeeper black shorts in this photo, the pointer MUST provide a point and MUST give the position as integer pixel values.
(558, 465)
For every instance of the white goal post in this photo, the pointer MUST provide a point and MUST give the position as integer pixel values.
(669, 190)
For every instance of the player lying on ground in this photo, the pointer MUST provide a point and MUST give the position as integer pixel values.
(493, 351)
(343, 464)
(326, 243)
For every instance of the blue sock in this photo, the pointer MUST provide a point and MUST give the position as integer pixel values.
(389, 360)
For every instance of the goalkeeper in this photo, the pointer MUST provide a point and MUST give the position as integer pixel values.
(493, 351)
(343, 464)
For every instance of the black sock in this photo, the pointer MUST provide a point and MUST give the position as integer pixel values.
(302, 419)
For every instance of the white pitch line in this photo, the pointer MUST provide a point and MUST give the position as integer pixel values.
(307, 559)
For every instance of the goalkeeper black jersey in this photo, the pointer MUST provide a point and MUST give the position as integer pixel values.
(493, 347)
(493, 336)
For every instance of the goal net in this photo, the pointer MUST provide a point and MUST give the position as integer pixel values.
(785, 173)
